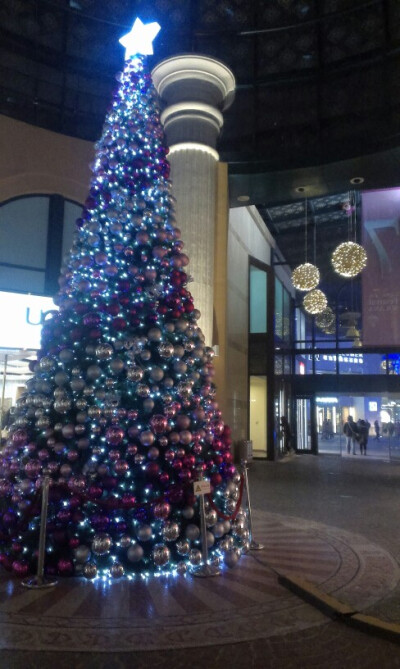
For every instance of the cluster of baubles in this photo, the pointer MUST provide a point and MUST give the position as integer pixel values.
(121, 410)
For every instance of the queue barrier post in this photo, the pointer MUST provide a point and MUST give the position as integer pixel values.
(40, 581)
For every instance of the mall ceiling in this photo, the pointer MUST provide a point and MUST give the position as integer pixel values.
(317, 101)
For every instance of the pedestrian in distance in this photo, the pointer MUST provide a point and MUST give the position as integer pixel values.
(363, 432)
(350, 430)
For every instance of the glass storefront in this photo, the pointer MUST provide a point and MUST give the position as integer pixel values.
(382, 412)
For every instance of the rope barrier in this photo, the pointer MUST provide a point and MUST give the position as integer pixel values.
(237, 507)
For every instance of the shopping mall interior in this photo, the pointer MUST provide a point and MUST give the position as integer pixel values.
(282, 121)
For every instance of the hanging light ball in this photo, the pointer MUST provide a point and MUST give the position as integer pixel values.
(315, 302)
(325, 319)
(305, 276)
(349, 259)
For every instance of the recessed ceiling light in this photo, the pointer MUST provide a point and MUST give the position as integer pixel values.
(243, 198)
(357, 180)
(300, 189)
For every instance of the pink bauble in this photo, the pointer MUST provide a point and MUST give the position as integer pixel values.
(65, 567)
(77, 484)
(121, 467)
(115, 435)
(32, 468)
(158, 424)
(161, 510)
(19, 438)
(152, 470)
(164, 478)
(20, 569)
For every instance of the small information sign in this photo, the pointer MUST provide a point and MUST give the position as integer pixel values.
(201, 487)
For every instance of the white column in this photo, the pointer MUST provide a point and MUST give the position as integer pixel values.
(194, 90)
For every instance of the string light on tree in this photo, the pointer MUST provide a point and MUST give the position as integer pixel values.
(315, 301)
(121, 411)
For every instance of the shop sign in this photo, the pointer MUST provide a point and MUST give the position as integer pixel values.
(22, 317)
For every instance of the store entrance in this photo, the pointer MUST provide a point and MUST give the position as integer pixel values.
(381, 412)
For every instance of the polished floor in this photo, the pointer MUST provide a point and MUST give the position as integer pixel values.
(330, 520)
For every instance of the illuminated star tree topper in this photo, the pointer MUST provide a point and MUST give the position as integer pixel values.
(140, 39)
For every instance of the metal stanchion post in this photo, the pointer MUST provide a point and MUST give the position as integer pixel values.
(39, 581)
(254, 545)
(202, 488)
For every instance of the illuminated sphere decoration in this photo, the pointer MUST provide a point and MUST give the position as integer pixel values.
(349, 259)
(325, 319)
(315, 302)
(305, 276)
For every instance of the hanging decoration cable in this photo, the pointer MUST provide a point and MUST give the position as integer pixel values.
(350, 258)
(315, 301)
(305, 276)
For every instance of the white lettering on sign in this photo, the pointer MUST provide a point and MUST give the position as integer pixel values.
(22, 317)
(201, 487)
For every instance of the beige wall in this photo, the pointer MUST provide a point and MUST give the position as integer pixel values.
(247, 236)
(33, 160)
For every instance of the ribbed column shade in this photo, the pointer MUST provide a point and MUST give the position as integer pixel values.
(193, 173)
(195, 90)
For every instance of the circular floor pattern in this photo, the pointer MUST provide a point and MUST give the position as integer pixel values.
(243, 604)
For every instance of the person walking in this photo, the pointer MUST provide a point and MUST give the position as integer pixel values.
(350, 430)
(287, 435)
(377, 430)
(363, 431)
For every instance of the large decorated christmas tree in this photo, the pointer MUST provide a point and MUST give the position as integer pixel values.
(120, 412)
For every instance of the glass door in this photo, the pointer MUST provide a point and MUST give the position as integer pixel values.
(303, 425)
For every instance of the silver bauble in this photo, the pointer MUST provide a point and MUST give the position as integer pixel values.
(134, 374)
(93, 372)
(117, 365)
(46, 364)
(104, 351)
(188, 512)
(192, 532)
(82, 553)
(101, 543)
(210, 539)
(181, 568)
(144, 532)
(226, 544)
(161, 555)
(90, 570)
(183, 546)
(231, 558)
(61, 378)
(66, 355)
(218, 530)
(227, 526)
(117, 570)
(195, 557)
(211, 518)
(170, 531)
(77, 384)
(134, 553)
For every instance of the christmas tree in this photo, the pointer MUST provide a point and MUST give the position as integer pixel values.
(120, 411)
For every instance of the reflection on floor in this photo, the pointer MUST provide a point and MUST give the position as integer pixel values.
(242, 618)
